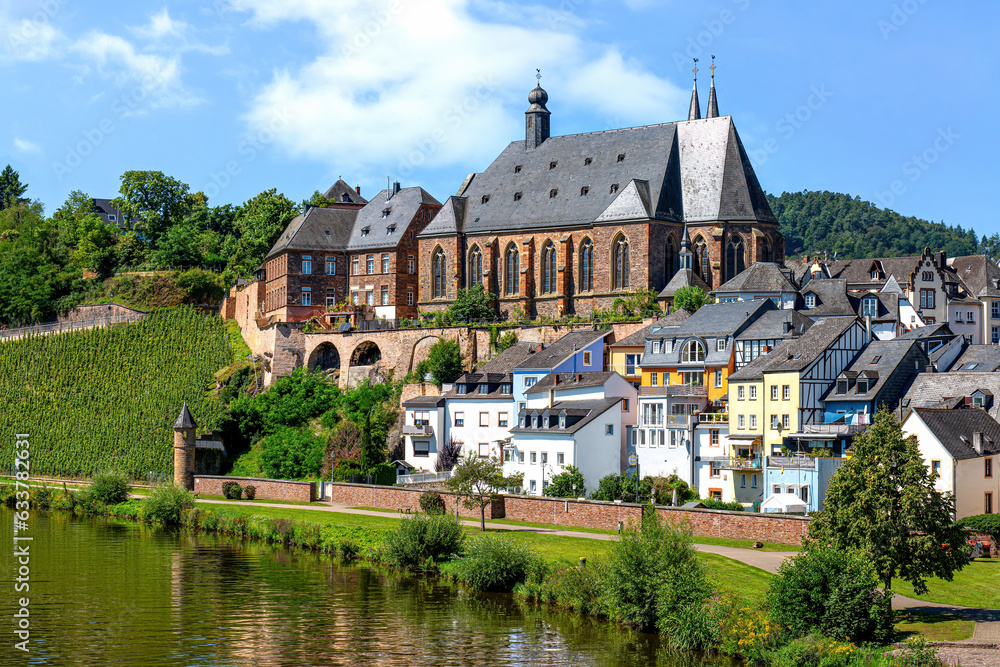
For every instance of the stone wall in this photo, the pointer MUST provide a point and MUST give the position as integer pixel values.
(781, 529)
(267, 489)
(97, 311)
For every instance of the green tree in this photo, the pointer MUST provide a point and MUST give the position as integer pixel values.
(444, 361)
(373, 440)
(883, 500)
(11, 188)
(151, 201)
(478, 482)
(567, 484)
(472, 304)
(256, 228)
(689, 298)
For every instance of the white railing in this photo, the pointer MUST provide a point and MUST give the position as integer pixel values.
(424, 477)
(58, 327)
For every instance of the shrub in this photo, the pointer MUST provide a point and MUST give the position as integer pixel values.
(495, 562)
(813, 650)
(249, 491)
(109, 488)
(448, 455)
(567, 484)
(166, 504)
(750, 634)
(713, 504)
(575, 588)
(832, 591)
(423, 540)
(232, 490)
(347, 549)
(432, 503)
(653, 575)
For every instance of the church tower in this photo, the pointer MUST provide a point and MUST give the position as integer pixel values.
(536, 122)
(694, 113)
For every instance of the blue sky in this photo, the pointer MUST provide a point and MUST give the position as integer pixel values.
(895, 101)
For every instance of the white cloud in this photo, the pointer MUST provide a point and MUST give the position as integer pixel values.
(426, 83)
(28, 39)
(164, 33)
(25, 146)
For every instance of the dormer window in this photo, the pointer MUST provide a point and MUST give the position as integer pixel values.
(562, 419)
(386, 212)
(584, 191)
(486, 199)
(841, 386)
(614, 188)
(552, 165)
(587, 161)
(621, 157)
(862, 386)
(460, 388)
(517, 196)
(810, 300)
(365, 230)
(553, 193)
(869, 307)
(517, 169)
(391, 229)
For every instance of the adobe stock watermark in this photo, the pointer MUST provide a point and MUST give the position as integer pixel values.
(121, 108)
(33, 27)
(898, 17)
(697, 44)
(22, 554)
(248, 150)
(917, 166)
(791, 123)
(454, 117)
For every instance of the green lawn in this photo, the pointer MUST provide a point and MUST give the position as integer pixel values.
(975, 586)
(933, 627)
(739, 579)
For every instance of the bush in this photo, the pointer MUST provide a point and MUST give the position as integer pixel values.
(567, 484)
(109, 488)
(653, 575)
(249, 491)
(292, 453)
(496, 562)
(421, 541)
(444, 361)
(448, 455)
(832, 591)
(166, 504)
(713, 504)
(432, 503)
(813, 650)
(232, 490)
(575, 588)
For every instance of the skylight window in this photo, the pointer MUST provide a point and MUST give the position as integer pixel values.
(517, 196)
(587, 161)
(386, 212)
(552, 165)
(970, 367)
(621, 157)
(614, 188)
(584, 191)
(876, 358)
(517, 169)
(391, 229)
(486, 199)
(553, 193)
(365, 230)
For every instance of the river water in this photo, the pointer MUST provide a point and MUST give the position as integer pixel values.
(110, 592)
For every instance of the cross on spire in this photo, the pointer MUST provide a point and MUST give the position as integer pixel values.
(695, 70)
(713, 67)
(538, 75)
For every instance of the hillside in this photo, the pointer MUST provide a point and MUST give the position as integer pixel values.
(817, 222)
(106, 398)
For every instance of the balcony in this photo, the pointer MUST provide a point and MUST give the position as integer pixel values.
(418, 429)
(793, 462)
(737, 463)
(625, 370)
(713, 418)
(674, 390)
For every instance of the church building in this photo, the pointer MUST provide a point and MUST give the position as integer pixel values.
(560, 225)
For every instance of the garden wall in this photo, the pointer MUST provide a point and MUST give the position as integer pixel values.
(267, 489)
(782, 529)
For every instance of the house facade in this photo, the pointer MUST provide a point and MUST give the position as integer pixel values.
(575, 352)
(879, 376)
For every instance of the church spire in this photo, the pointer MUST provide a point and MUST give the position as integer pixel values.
(713, 104)
(685, 254)
(694, 113)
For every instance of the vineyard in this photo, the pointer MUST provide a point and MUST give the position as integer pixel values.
(106, 399)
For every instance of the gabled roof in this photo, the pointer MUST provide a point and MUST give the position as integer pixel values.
(858, 271)
(556, 353)
(683, 278)
(725, 319)
(796, 354)
(880, 360)
(759, 277)
(449, 220)
(979, 273)
(831, 298)
(636, 339)
(316, 229)
(506, 361)
(694, 170)
(886, 306)
(570, 381)
(671, 321)
(587, 411)
(383, 212)
(930, 331)
(978, 359)
(104, 210)
(930, 388)
(771, 325)
(342, 193)
(954, 429)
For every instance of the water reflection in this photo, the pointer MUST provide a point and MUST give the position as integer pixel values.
(119, 593)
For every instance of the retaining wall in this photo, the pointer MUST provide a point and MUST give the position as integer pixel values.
(267, 489)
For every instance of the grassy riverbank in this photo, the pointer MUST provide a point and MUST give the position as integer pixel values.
(974, 586)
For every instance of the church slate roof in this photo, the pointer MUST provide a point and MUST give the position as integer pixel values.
(401, 207)
(317, 229)
(342, 193)
(683, 278)
(689, 170)
(759, 277)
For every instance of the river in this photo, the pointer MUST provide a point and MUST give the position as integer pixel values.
(110, 592)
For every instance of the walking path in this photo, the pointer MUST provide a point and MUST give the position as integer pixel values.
(987, 628)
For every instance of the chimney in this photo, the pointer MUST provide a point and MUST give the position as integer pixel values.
(555, 378)
(395, 188)
(930, 369)
(977, 442)
(551, 397)
(942, 260)
(788, 327)
(357, 189)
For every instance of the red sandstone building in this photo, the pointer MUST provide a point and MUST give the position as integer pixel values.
(562, 225)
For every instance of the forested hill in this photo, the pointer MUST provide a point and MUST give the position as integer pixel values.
(815, 222)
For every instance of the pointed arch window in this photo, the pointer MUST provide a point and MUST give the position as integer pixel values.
(765, 253)
(736, 257)
(437, 265)
(701, 258)
(475, 266)
(670, 260)
(512, 271)
(549, 268)
(586, 266)
(620, 263)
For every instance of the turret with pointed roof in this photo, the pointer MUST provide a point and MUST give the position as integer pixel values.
(694, 113)
(184, 419)
(713, 104)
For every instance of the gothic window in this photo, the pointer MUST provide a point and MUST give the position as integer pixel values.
(670, 260)
(736, 261)
(620, 263)
(701, 258)
(437, 264)
(765, 250)
(586, 266)
(512, 277)
(475, 266)
(549, 269)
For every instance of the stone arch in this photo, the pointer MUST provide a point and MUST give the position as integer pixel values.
(366, 353)
(325, 357)
(420, 350)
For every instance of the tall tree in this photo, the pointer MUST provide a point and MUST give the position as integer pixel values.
(883, 500)
(11, 188)
(257, 226)
(689, 298)
(151, 201)
(480, 481)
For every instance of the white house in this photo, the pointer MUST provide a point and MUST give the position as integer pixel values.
(962, 445)
(424, 431)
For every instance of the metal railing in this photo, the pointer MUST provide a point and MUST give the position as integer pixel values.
(424, 477)
(59, 327)
(737, 463)
(795, 462)
(674, 390)
(713, 417)
(625, 370)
